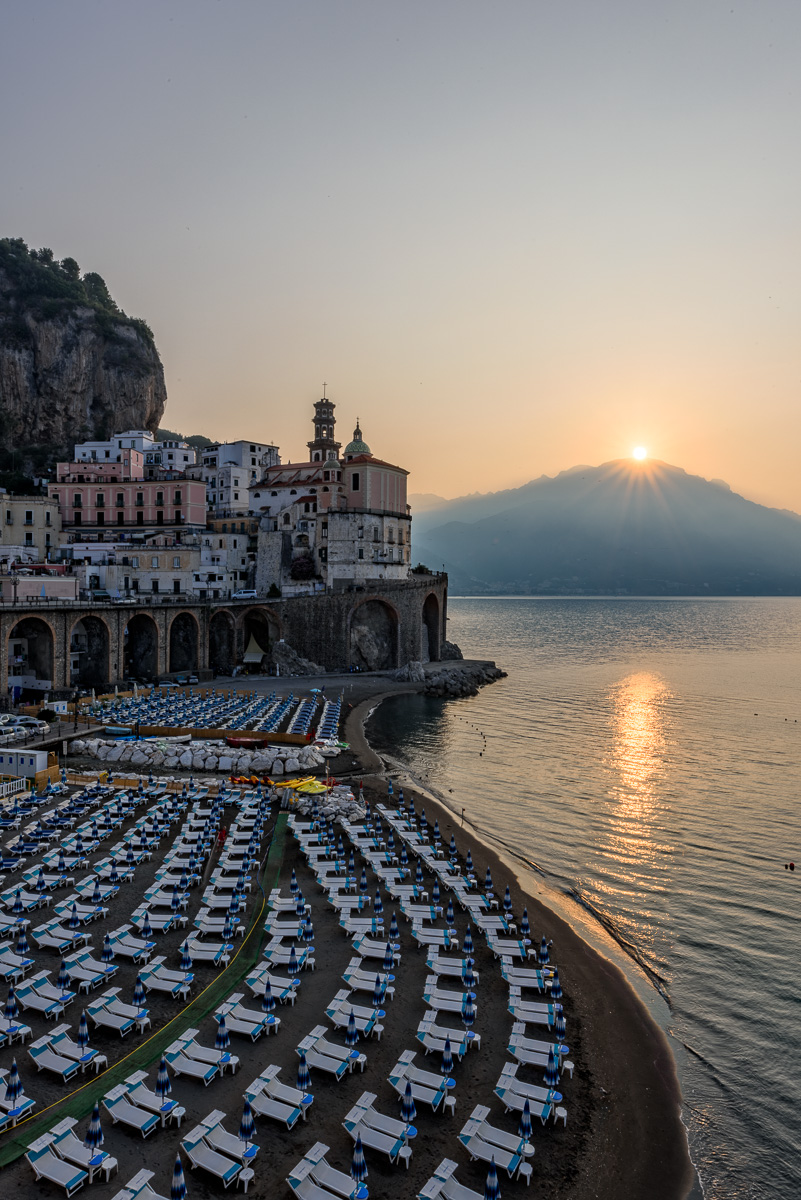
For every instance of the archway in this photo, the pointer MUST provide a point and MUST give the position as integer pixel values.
(429, 646)
(89, 653)
(222, 644)
(141, 649)
(31, 655)
(183, 643)
(374, 636)
(260, 629)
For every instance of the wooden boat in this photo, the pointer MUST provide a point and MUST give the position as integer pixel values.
(248, 743)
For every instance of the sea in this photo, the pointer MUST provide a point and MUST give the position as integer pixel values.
(643, 759)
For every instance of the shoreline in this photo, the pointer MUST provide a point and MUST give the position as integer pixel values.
(631, 1139)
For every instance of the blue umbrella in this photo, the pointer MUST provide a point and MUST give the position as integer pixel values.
(468, 1011)
(75, 921)
(410, 811)
(394, 932)
(62, 864)
(408, 1110)
(446, 1066)
(139, 996)
(268, 999)
(97, 895)
(437, 837)
(435, 893)
(469, 863)
(389, 958)
(418, 874)
(423, 825)
(492, 1189)
(13, 1084)
(300, 905)
(130, 857)
(488, 880)
(223, 1038)
(228, 928)
(468, 978)
(107, 953)
(18, 908)
(247, 1126)
(552, 1070)
(175, 902)
(351, 861)
(308, 931)
(351, 1033)
(186, 960)
(178, 1184)
(304, 1078)
(63, 981)
(83, 1031)
(363, 881)
(507, 901)
(543, 950)
(378, 903)
(524, 1128)
(184, 884)
(293, 882)
(94, 1133)
(556, 987)
(22, 944)
(452, 847)
(147, 931)
(525, 928)
(358, 1165)
(114, 875)
(560, 1026)
(450, 916)
(292, 965)
(391, 842)
(404, 857)
(378, 992)
(467, 945)
(11, 1008)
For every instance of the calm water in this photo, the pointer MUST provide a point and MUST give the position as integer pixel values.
(645, 756)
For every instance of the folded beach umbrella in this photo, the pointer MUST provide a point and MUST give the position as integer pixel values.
(556, 987)
(178, 1184)
(107, 953)
(139, 996)
(446, 1066)
(408, 1110)
(41, 885)
(404, 856)
(308, 931)
(492, 1189)
(247, 1126)
(351, 861)
(524, 1128)
(394, 932)
(507, 901)
(488, 880)
(389, 787)
(435, 892)
(175, 901)
(389, 958)
(114, 875)
(79, 850)
(62, 863)
(378, 992)
(22, 944)
(268, 999)
(351, 1033)
(192, 863)
(292, 965)
(228, 928)
(304, 1078)
(147, 931)
(222, 1038)
(391, 842)
(560, 1027)
(130, 857)
(13, 1085)
(300, 905)
(94, 1132)
(452, 847)
(18, 908)
(469, 863)
(97, 895)
(525, 928)
(185, 964)
(468, 1011)
(63, 981)
(437, 837)
(363, 881)
(83, 1031)
(410, 810)
(378, 904)
(418, 874)
(11, 1008)
(143, 838)
(233, 907)
(544, 950)
(468, 978)
(358, 1165)
(74, 921)
(450, 916)
(423, 824)
(467, 945)
(552, 1069)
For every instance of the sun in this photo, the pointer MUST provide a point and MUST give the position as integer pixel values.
(639, 452)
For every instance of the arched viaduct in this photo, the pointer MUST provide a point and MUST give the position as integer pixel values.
(96, 645)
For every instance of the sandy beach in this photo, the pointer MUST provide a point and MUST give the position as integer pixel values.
(623, 1136)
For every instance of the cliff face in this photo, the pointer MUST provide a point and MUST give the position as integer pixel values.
(77, 376)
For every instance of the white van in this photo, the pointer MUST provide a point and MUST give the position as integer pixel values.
(245, 595)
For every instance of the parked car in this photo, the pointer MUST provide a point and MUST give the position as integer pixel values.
(32, 724)
(245, 594)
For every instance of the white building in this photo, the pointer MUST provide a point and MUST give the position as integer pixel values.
(158, 456)
(228, 469)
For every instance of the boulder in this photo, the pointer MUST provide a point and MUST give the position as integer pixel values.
(225, 763)
(243, 763)
(449, 652)
(198, 760)
(139, 759)
(78, 746)
(413, 672)
(291, 766)
(211, 762)
(290, 662)
(278, 767)
(114, 754)
(185, 759)
(126, 752)
(157, 758)
(171, 762)
(261, 762)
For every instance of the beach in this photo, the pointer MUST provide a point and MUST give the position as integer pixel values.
(623, 1135)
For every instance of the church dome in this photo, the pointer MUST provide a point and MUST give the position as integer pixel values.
(357, 446)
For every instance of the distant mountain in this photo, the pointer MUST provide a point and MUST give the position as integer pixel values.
(425, 501)
(623, 528)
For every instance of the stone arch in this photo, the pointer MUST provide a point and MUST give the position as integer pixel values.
(430, 644)
(183, 643)
(222, 643)
(89, 648)
(31, 655)
(141, 648)
(373, 635)
(262, 627)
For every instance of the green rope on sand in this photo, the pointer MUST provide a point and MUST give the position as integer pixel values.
(80, 1103)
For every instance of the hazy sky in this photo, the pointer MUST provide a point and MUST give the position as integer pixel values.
(512, 237)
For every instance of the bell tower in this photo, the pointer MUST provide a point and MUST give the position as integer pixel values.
(324, 445)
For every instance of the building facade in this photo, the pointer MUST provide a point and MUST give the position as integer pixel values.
(112, 499)
(30, 529)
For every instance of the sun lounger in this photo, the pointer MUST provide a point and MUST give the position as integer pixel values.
(432, 1038)
(29, 997)
(525, 977)
(207, 1056)
(246, 1021)
(452, 967)
(477, 1148)
(219, 1165)
(226, 1143)
(498, 1139)
(144, 1097)
(283, 988)
(269, 1083)
(18, 1108)
(443, 1183)
(317, 1040)
(74, 1151)
(13, 966)
(536, 1013)
(53, 937)
(62, 1043)
(14, 1030)
(341, 1007)
(217, 953)
(374, 1139)
(507, 947)
(284, 929)
(441, 999)
(48, 991)
(418, 913)
(139, 1188)
(122, 1111)
(127, 945)
(320, 1061)
(266, 1105)
(47, 1059)
(435, 937)
(361, 980)
(183, 1064)
(47, 1165)
(157, 977)
(421, 1093)
(323, 1180)
(365, 1113)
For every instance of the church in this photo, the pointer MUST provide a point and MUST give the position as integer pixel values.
(334, 520)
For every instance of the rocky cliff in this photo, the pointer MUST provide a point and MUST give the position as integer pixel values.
(73, 366)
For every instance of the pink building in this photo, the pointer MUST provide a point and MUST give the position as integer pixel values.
(95, 496)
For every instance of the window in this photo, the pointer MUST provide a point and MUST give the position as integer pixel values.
(236, 495)
(101, 518)
(159, 517)
(286, 518)
(176, 586)
(29, 516)
(325, 529)
(9, 517)
(120, 501)
(159, 499)
(391, 536)
(361, 552)
(28, 538)
(234, 543)
(176, 563)
(140, 499)
(323, 554)
(307, 507)
(76, 517)
(375, 534)
(135, 562)
(154, 563)
(178, 498)
(154, 586)
(361, 532)
(47, 517)
(100, 500)
(140, 518)
(77, 500)
(354, 481)
(47, 539)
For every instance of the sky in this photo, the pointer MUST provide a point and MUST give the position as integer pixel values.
(509, 237)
